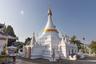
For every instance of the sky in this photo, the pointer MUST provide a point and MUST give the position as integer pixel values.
(71, 17)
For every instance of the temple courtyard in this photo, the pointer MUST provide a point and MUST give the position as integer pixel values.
(88, 60)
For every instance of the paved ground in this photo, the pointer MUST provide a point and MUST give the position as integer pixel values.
(19, 61)
(83, 62)
(70, 62)
(89, 60)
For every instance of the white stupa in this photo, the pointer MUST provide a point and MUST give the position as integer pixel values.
(50, 45)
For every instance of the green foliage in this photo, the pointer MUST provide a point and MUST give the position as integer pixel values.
(77, 42)
(93, 46)
(9, 31)
(27, 41)
(19, 45)
(73, 39)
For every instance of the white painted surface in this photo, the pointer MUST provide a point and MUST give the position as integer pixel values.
(50, 45)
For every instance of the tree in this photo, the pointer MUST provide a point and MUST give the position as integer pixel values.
(73, 39)
(9, 31)
(93, 46)
(77, 42)
(27, 41)
(19, 45)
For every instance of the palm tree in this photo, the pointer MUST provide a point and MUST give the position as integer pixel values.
(73, 40)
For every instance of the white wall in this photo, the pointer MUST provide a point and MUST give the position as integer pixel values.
(2, 43)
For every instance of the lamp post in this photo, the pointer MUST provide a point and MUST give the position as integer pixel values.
(84, 45)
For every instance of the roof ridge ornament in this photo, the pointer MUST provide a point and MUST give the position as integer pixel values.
(49, 12)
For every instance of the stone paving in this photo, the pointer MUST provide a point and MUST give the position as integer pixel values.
(69, 62)
(19, 61)
(85, 61)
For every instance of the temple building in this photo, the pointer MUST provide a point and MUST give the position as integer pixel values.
(50, 45)
(4, 38)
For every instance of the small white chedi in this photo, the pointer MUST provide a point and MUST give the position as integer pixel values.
(50, 45)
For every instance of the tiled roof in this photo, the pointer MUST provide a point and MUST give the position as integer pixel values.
(6, 35)
(3, 33)
(2, 25)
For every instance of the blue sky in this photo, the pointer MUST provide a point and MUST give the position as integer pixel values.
(73, 17)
